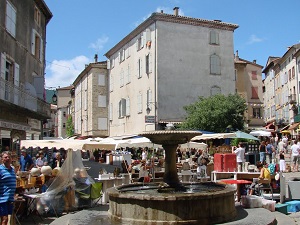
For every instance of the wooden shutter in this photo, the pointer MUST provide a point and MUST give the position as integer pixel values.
(33, 42)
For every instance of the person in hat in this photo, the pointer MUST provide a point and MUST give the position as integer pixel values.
(26, 161)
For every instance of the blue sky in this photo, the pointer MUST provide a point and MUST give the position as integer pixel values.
(81, 28)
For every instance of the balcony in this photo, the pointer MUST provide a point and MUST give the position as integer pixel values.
(20, 99)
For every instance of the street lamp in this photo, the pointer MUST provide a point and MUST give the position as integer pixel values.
(148, 109)
(54, 98)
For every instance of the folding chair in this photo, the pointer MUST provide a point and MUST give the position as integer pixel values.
(94, 195)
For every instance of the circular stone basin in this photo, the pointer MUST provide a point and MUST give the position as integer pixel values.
(201, 203)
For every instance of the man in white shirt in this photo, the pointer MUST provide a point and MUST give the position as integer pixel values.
(295, 156)
(240, 156)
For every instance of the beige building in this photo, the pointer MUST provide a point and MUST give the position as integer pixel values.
(249, 85)
(64, 101)
(91, 100)
(286, 89)
(164, 64)
(23, 109)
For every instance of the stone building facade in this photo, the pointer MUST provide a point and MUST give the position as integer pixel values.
(164, 64)
(23, 109)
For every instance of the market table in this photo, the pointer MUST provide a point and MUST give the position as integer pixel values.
(239, 184)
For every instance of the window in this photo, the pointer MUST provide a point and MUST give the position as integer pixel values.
(214, 37)
(256, 113)
(140, 42)
(11, 15)
(254, 92)
(128, 75)
(139, 68)
(127, 52)
(10, 74)
(122, 108)
(64, 114)
(215, 67)
(37, 16)
(122, 55)
(64, 125)
(215, 90)
(290, 75)
(254, 75)
(293, 72)
(148, 64)
(37, 45)
(122, 78)
(128, 107)
(149, 99)
(139, 103)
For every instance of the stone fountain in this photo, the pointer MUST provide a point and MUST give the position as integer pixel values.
(172, 202)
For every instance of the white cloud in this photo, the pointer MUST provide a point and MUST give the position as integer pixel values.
(62, 73)
(254, 39)
(99, 44)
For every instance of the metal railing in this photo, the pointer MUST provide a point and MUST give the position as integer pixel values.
(19, 97)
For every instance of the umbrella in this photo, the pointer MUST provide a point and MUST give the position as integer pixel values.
(240, 134)
(261, 133)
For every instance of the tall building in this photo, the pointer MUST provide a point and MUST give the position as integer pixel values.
(249, 86)
(90, 101)
(164, 64)
(64, 101)
(23, 109)
(284, 89)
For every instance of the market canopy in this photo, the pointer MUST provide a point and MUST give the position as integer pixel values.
(213, 136)
(240, 134)
(67, 144)
(261, 133)
(198, 145)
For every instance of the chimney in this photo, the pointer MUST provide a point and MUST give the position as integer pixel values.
(96, 58)
(254, 61)
(176, 11)
(237, 55)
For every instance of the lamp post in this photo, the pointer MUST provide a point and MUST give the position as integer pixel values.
(149, 109)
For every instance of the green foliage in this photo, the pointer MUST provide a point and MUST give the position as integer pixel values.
(69, 127)
(216, 113)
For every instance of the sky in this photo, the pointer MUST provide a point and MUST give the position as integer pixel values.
(79, 29)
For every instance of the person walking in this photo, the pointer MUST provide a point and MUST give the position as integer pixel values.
(282, 165)
(295, 156)
(240, 156)
(7, 187)
(262, 152)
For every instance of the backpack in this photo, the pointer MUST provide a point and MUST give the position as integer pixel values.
(272, 168)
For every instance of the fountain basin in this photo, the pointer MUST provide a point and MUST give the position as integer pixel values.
(144, 205)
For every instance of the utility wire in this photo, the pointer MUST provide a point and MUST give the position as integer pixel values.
(57, 64)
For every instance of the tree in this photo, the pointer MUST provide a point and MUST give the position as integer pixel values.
(70, 127)
(216, 113)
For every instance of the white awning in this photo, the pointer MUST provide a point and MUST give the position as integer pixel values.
(214, 136)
